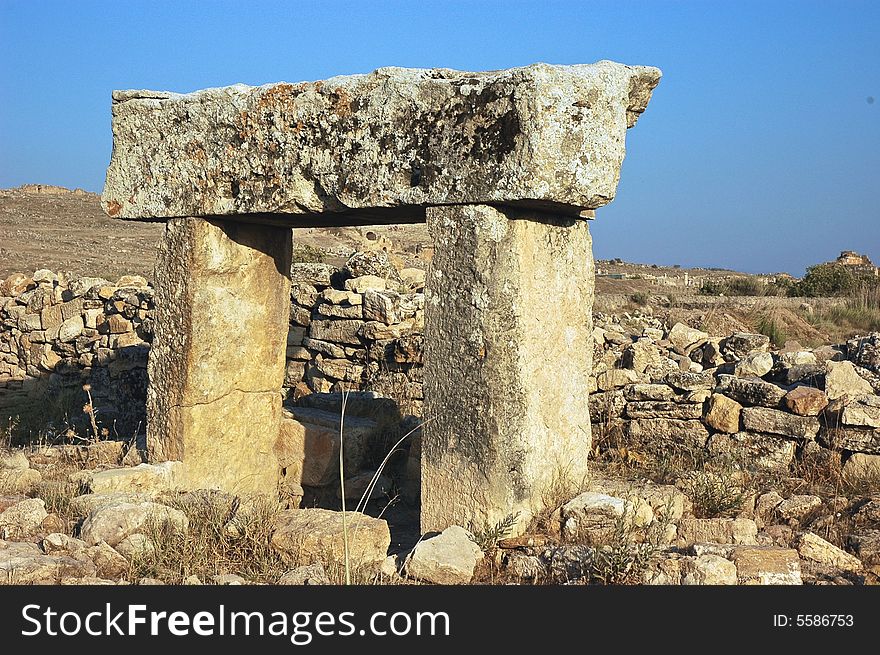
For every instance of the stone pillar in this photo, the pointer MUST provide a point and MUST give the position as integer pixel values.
(508, 355)
(217, 361)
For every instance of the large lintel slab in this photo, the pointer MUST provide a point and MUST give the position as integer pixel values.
(385, 145)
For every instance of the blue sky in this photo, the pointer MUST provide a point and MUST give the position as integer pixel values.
(760, 150)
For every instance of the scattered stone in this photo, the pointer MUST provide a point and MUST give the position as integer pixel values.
(85, 504)
(18, 481)
(593, 516)
(815, 548)
(719, 531)
(58, 543)
(23, 563)
(708, 570)
(798, 507)
(144, 478)
(311, 574)
(685, 339)
(740, 344)
(863, 411)
(314, 533)
(448, 558)
(108, 562)
(226, 579)
(136, 546)
(317, 275)
(766, 504)
(115, 521)
(641, 355)
(862, 466)
(22, 519)
(767, 565)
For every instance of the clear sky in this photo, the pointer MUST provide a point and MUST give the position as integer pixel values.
(760, 150)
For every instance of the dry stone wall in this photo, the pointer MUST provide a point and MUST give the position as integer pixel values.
(362, 327)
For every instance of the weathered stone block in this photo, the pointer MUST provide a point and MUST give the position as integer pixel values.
(217, 361)
(543, 136)
(774, 421)
(503, 429)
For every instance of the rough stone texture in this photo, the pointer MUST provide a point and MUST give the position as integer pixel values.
(774, 421)
(723, 414)
(862, 440)
(664, 409)
(144, 478)
(309, 574)
(862, 465)
(18, 481)
(307, 447)
(541, 136)
(841, 380)
(815, 548)
(798, 506)
(708, 570)
(740, 344)
(114, 522)
(753, 391)
(717, 531)
(88, 503)
(317, 534)
(864, 412)
(766, 451)
(637, 392)
(22, 519)
(757, 364)
(23, 563)
(503, 428)
(665, 500)
(592, 516)
(218, 357)
(806, 401)
(448, 558)
(684, 338)
(688, 381)
(650, 431)
(767, 565)
(617, 377)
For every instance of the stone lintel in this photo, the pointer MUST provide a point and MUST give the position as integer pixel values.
(542, 137)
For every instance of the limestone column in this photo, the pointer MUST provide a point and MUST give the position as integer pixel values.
(508, 354)
(217, 360)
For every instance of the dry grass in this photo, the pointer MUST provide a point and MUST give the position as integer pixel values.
(220, 540)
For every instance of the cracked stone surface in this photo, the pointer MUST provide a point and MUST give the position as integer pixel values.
(217, 362)
(542, 136)
(503, 430)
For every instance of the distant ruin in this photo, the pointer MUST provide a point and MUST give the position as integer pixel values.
(856, 263)
(504, 166)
